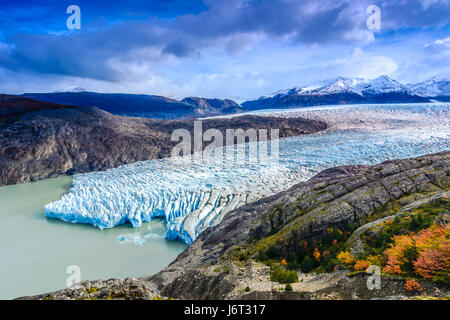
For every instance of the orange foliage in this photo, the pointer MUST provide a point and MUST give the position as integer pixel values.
(433, 249)
(345, 257)
(396, 253)
(335, 242)
(361, 265)
(283, 263)
(317, 254)
(432, 236)
(412, 285)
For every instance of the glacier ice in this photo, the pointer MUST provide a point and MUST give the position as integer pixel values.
(192, 194)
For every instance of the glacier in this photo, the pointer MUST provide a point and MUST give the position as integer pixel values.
(194, 193)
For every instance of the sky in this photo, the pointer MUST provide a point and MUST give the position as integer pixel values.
(237, 49)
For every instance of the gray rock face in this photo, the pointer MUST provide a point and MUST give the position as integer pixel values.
(43, 140)
(206, 269)
(210, 106)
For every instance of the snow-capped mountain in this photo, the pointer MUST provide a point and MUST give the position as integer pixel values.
(72, 89)
(332, 86)
(381, 85)
(431, 88)
(340, 90)
(329, 86)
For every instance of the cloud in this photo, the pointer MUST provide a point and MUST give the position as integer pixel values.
(225, 24)
(437, 55)
(223, 48)
(414, 13)
(439, 46)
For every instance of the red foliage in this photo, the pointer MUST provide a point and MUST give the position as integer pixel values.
(429, 262)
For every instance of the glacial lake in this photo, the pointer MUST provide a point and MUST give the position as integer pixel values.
(35, 251)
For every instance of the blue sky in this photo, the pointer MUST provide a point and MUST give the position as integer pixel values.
(237, 49)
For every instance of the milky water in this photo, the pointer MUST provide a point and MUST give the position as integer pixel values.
(35, 251)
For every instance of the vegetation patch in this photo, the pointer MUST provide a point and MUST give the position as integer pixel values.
(318, 255)
(283, 276)
(413, 245)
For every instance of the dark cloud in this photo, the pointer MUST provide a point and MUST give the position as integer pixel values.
(88, 52)
(414, 13)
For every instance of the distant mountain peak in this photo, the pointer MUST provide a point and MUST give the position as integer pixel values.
(433, 87)
(73, 89)
(381, 85)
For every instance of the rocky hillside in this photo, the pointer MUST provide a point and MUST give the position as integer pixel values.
(205, 106)
(43, 140)
(141, 105)
(244, 257)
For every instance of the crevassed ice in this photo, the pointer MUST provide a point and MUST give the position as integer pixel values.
(194, 194)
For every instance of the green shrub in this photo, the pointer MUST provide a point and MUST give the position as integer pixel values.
(262, 256)
(247, 289)
(283, 276)
(272, 253)
(306, 265)
(288, 287)
(292, 257)
(243, 257)
(293, 265)
(330, 264)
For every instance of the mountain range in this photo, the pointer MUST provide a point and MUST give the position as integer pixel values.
(340, 90)
(354, 90)
(140, 105)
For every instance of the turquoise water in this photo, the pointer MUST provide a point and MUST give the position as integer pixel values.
(35, 251)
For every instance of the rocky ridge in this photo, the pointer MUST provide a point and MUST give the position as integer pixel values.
(140, 105)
